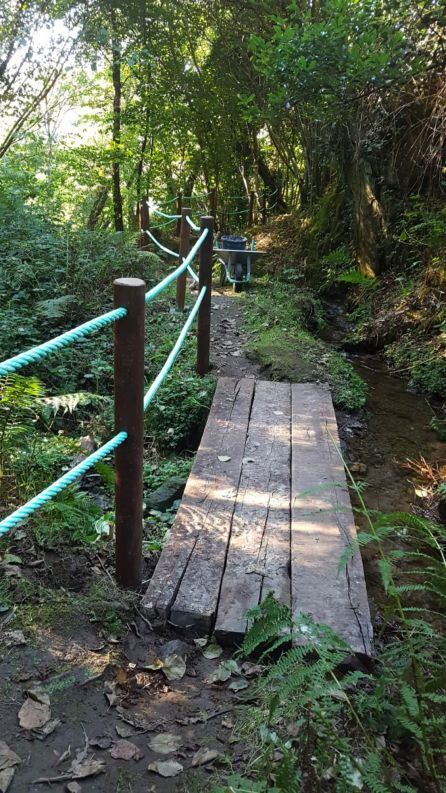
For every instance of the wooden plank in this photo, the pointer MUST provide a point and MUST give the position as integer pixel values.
(322, 524)
(196, 602)
(210, 490)
(259, 550)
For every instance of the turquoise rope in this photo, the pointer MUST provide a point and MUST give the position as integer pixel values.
(166, 223)
(192, 224)
(172, 253)
(152, 293)
(50, 492)
(163, 248)
(36, 353)
(193, 274)
(163, 214)
(170, 360)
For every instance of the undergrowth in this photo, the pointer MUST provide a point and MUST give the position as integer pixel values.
(282, 321)
(55, 277)
(319, 724)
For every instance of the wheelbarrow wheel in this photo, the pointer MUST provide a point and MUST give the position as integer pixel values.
(222, 274)
(238, 286)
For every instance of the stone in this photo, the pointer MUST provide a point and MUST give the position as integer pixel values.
(164, 496)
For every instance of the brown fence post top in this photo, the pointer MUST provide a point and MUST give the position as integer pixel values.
(129, 282)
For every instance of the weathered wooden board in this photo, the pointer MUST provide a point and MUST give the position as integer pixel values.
(203, 521)
(259, 550)
(322, 524)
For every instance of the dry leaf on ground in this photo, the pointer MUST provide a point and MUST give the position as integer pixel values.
(238, 685)
(73, 787)
(203, 756)
(101, 741)
(166, 768)
(165, 743)
(33, 715)
(13, 638)
(224, 458)
(125, 750)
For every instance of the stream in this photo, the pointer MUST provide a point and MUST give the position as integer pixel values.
(396, 429)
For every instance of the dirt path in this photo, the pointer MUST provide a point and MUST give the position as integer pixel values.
(97, 695)
(228, 337)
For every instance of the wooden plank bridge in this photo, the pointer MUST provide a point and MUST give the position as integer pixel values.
(266, 509)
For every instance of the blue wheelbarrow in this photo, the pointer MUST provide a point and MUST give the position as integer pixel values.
(236, 261)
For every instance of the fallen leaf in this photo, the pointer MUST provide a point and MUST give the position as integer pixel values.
(201, 642)
(248, 460)
(166, 768)
(13, 638)
(73, 787)
(8, 758)
(11, 558)
(123, 730)
(236, 353)
(238, 685)
(165, 743)
(220, 675)
(33, 715)
(101, 741)
(110, 693)
(47, 729)
(6, 777)
(212, 651)
(224, 458)
(125, 750)
(153, 662)
(38, 694)
(278, 412)
(227, 722)
(251, 670)
(174, 667)
(83, 767)
(204, 756)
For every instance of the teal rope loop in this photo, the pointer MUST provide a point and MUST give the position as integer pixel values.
(162, 247)
(163, 214)
(193, 225)
(170, 360)
(152, 293)
(53, 490)
(70, 336)
(172, 253)
(166, 223)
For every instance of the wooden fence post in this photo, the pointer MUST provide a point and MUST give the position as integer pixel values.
(129, 417)
(179, 212)
(251, 208)
(144, 221)
(184, 250)
(204, 312)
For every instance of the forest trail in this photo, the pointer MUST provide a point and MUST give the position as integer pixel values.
(228, 337)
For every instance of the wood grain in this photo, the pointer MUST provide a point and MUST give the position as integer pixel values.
(322, 524)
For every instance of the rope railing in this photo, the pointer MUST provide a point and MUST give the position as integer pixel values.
(172, 253)
(53, 345)
(162, 214)
(152, 293)
(191, 223)
(60, 484)
(170, 360)
(128, 549)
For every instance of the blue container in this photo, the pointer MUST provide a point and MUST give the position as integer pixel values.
(233, 243)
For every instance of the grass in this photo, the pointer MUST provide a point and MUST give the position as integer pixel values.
(282, 322)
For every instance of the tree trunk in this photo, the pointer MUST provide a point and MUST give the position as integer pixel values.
(98, 206)
(117, 94)
(369, 224)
